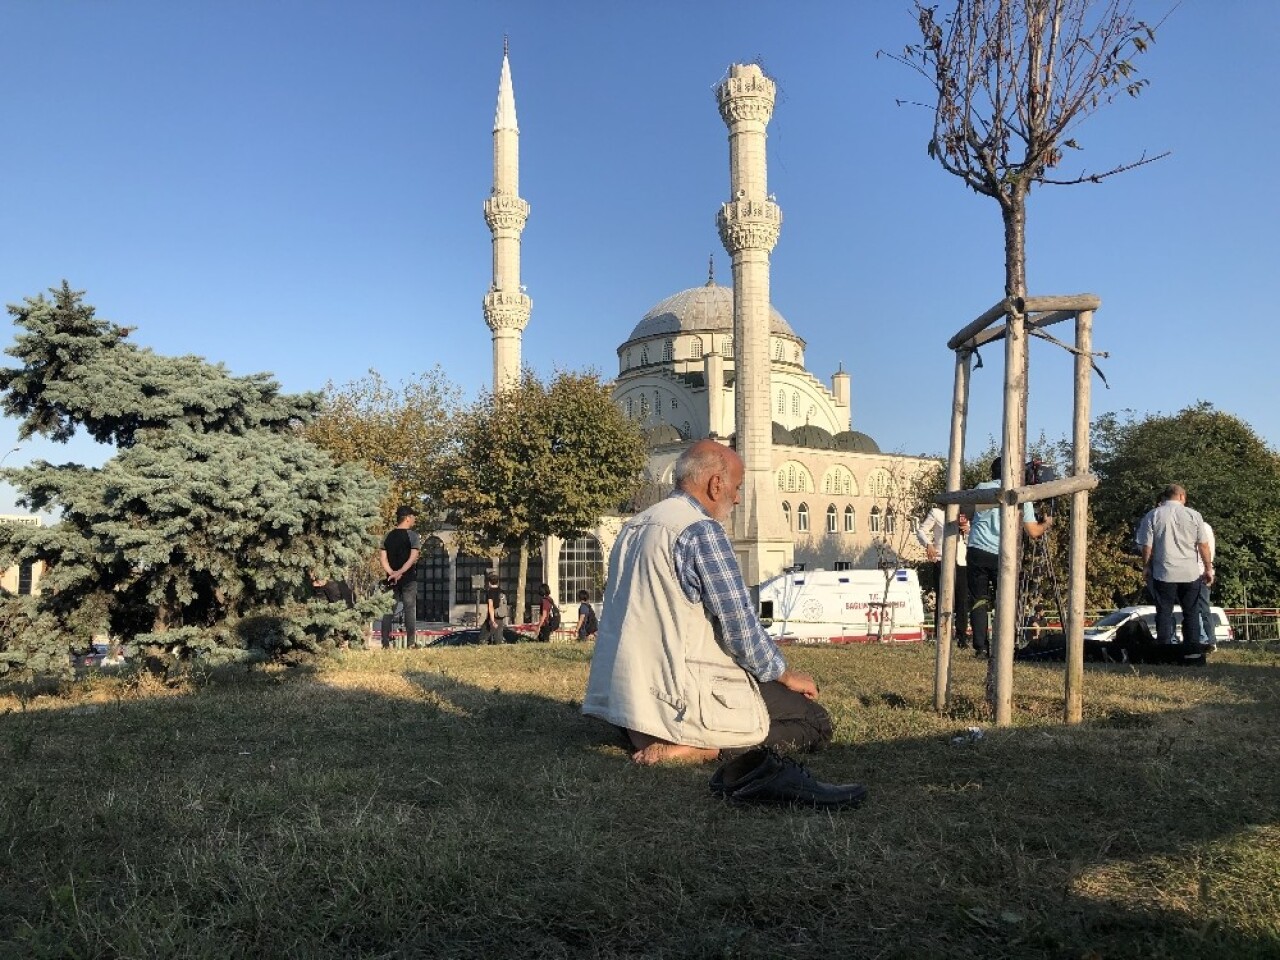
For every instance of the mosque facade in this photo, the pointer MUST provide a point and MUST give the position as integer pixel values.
(701, 363)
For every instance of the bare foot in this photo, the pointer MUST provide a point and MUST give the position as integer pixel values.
(662, 752)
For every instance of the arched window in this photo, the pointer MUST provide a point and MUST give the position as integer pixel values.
(875, 520)
(802, 518)
(644, 407)
(466, 567)
(695, 348)
(831, 518)
(795, 404)
(879, 483)
(686, 429)
(793, 475)
(581, 568)
(782, 401)
(777, 350)
(657, 402)
(433, 582)
(811, 414)
(786, 513)
(850, 520)
(644, 355)
(674, 405)
(630, 412)
(838, 480)
(890, 522)
(668, 351)
(627, 365)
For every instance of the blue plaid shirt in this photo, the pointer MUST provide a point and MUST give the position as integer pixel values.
(708, 572)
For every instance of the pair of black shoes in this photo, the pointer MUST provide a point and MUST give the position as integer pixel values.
(764, 776)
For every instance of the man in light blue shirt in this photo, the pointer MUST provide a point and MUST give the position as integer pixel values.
(984, 560)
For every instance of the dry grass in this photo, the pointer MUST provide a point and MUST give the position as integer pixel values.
(455, 804)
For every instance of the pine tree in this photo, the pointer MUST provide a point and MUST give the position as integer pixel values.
(213, 509)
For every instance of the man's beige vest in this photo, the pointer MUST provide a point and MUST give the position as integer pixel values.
(657, 667)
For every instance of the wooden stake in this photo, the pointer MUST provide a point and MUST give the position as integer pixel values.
(1073, 694)
(950, 545)
(1015, 393)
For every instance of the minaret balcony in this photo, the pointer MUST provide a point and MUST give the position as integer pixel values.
(505, 211)
(747, 97)
(507, 311)
(749, 224)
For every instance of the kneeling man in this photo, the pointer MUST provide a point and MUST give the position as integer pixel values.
(682, 662)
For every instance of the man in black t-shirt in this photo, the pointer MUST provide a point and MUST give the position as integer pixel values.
(399, 558)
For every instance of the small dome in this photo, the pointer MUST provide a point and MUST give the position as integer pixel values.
(708, 308)
(852, 441)
(661, 434)
(782, 435)
(811, 436)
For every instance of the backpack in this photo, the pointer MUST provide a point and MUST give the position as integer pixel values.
(553, 619)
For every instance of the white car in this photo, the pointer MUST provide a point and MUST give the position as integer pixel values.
(1104, 630)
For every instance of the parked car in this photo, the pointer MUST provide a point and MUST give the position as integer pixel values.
(1105, 629)
(100, 655)
(471, 637)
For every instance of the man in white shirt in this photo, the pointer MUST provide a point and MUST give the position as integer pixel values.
(1208, 633)
(930, 532)
(1176, 561)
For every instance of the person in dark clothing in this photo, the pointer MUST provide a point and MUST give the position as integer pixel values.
(587, 622)
(548, 615)
(332, 591)
(399, 559)
(495, 611)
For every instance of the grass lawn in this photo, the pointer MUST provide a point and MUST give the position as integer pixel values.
(455, 804)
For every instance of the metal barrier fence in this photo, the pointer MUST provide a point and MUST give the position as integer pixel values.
(1255, 624)
(1250, 625)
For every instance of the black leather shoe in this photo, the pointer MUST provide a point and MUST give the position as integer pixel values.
(764, 776)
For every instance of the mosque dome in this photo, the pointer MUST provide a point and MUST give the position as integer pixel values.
(852, 441)
(662, 433)
(811, 436)
(782, 435)
(708, 308)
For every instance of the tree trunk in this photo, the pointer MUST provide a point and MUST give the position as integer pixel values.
(1013, 209)
(522, 579)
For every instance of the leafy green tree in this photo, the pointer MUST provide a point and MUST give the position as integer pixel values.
(539, 460)
(213, 509)
(1231, 476)
(396, 432)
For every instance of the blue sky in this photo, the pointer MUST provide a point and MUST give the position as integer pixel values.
(296, 187)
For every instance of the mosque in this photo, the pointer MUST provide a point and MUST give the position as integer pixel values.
(816, 492)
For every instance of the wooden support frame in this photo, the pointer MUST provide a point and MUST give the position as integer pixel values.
(1019, 315)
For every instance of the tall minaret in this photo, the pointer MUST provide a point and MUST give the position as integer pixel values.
(506, 308)
(749, 224)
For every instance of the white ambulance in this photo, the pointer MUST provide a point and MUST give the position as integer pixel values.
(842, 606)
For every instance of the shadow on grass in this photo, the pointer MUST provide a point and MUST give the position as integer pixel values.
(466, 808)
